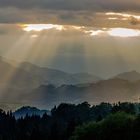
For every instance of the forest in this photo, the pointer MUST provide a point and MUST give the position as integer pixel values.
(119, 121)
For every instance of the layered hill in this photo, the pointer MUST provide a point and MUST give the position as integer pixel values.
(44, 87)
(112, 90)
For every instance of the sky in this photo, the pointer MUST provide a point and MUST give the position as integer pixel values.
(101, 37)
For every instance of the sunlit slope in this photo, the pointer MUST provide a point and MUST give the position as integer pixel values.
(10, 75)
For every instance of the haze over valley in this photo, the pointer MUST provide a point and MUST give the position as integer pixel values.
(45, 87)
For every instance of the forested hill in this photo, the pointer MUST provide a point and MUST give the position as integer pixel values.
(75, 122)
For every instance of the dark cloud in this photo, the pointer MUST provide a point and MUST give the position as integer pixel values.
(73, 12)
(93, 5)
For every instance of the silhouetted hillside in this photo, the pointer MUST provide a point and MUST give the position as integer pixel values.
(23, 111)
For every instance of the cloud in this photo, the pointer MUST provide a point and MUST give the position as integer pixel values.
(134, 21)
(93, 5)
(70, 12)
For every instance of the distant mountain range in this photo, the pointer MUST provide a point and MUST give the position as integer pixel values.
(40, 86)
(57, 77)
(27, 74)
(112, 90)
(17, 80)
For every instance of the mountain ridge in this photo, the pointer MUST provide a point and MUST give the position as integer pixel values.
(130, 75)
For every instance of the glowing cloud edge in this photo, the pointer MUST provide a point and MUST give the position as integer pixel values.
(116, 32)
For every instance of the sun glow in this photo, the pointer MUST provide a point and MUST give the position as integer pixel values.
(113, 18)
(41, 27)
(123, 32)
(117, 32)
(124, 15)
(95, 33)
